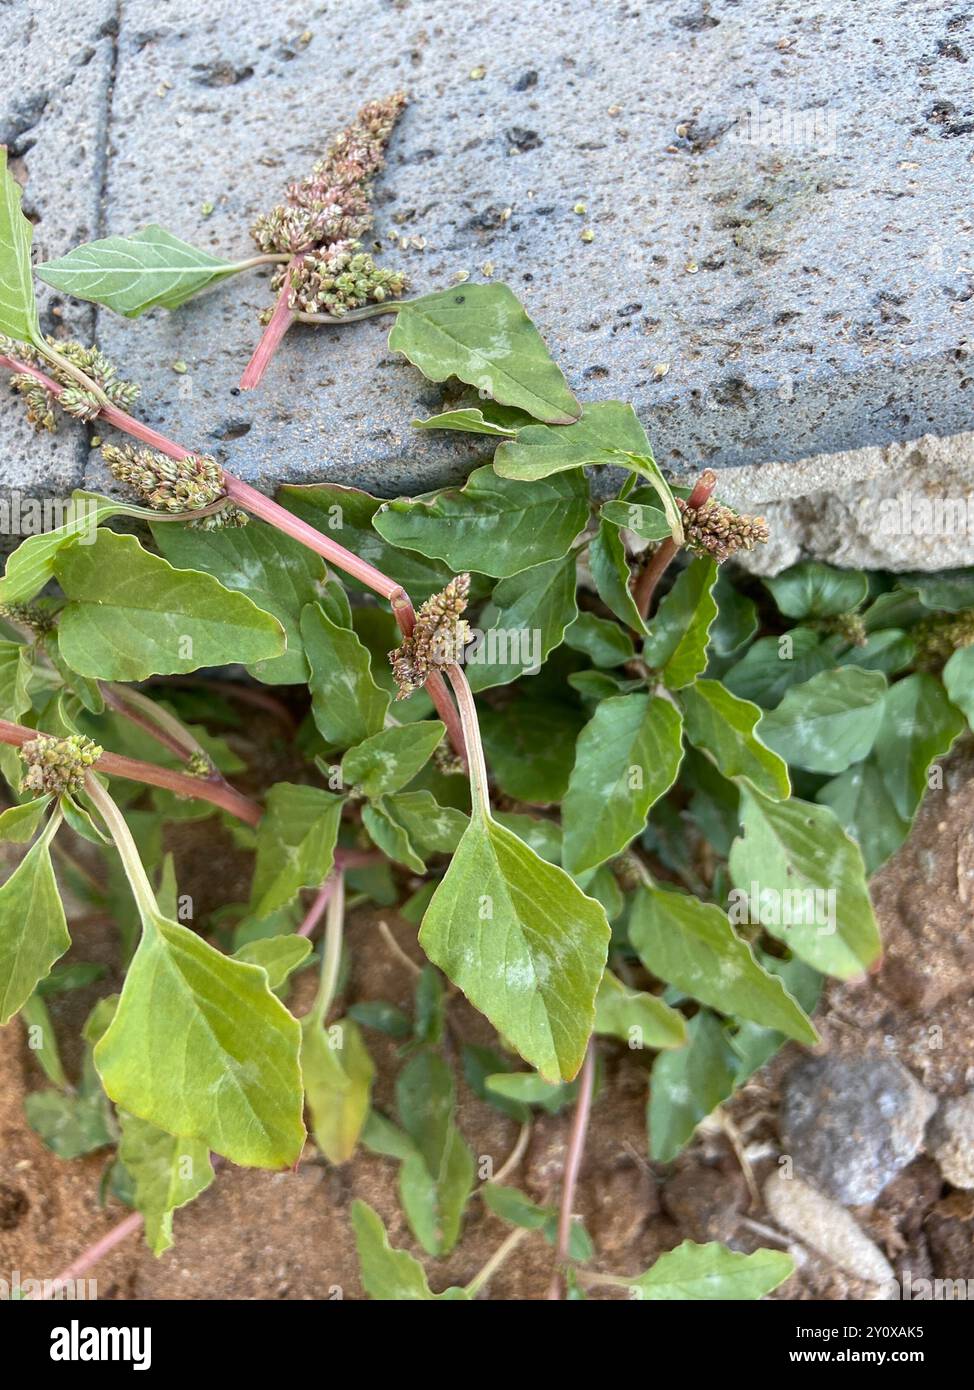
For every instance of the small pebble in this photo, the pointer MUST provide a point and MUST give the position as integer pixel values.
(952, 1140)
(180, 367)
(477, 73)
(819, 1222)
(588, 234)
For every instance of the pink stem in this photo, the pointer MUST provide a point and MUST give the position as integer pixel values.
(317, 908)
(278, 324)
(573, 1163)
(270, 511)
(94, 1253)
(133, 770)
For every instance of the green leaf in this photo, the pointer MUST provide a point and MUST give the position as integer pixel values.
(606, 433)
(530, 747)
(482, 335)
(722, 726)
(167, 1172)
(627, 757)
(42, 1039)
(130, 615)
(278, 956)
(15, 672)
(132, 274)
(951, 591)
(528, 1088)
(390, 1275)
(692, 945)
(813, 590)
(524, 944)
(295, 844)
(638, 1018)
(277, 573)
(610, 571)
(70, 1125)
(525, 619)
(192, 1046)
(481, 1065)
(347, 705)
(754, 1044)
(774, 664)
(687, 1084)
(388, 760)
(737, 617)
(604, 642)
(697, 1272)
(818, 902)
(865, 809)
(407, 826)
(491, 525)
(958, 678)
(639, 512)
(18, 312)
(468, 420)
(31, 565)
(829, 722)
(680, 631)
(919, 724)
(345, 514)
(887, 650)
(33, 930)
(435, 1180)
(338, 1074)
(518, 1210)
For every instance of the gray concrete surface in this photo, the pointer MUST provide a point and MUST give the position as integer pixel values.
(760, 303)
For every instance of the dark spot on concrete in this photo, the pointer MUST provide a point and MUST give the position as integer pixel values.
(221, 74)
(520, 140)
(526, 81)
(595, 373)
(230, 429)
(420, 157)
(952, 122)
(948, 49)
(732, 392)
(489, 219)
(14, 1206)
(696, 23)
(628, 310)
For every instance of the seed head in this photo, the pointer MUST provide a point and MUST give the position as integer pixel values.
(32, 615)
(340, 277)
(437, 639)
(331, 207)
(169, 485)
(940, 635)
(57, 765)
(715, 530)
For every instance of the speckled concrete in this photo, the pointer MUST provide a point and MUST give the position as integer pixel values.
(757, 302)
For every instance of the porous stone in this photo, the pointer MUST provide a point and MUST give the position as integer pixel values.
(952, 1140)
(772, 262)
(55, 73)
(850, 1123)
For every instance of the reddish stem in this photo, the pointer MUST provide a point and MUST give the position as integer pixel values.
(94, 1253)
(277, 325)
(270, 511)
(132, 770)
(573, 1163)
(317, 909)
(651, 575)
